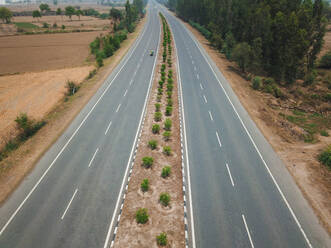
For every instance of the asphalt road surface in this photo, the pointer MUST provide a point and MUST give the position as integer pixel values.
(241, 193)
(69, 198)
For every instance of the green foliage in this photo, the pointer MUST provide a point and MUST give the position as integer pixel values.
(170, 87)
(158, 98)
(166, 170)
(169, 102)
(27, 127)
(72, 88)
(167, 150)
(25, 25)
(44, 7)
(91, 74)
(142, 216)
(36, 14)
(45, 25)
(241, 54)
(159, 91)
(325, 157)
(169, 94)
(5, 14)
(157, 116)
(167, 135)
(161, 239)
(324, 133)
(152, 144)
(63, 27)
(205, 32)
(161, 83)
(156, 128)
(157, 107)
(99, 61)
(167, 124)
(144, 185)
(69, 11)
(165, 199)
(168, 111)
(147, 162)
(256, 84)
(325, 61)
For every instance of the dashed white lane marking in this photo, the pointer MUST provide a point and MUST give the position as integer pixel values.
(201, 86)
(218, 139)
(198, 76)
(95, 153)
(192, 62)
(108, 127)
(65, 211)
(204, 97)
(131, 81)
(249, 235)
(227, 166)
(195, 68)
(126, 91)
(118, 108)
(210, 115)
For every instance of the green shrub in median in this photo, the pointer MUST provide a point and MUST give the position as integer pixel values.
(165, 199)
(167, 124)
(157, 116)
(161, 83)
(168, 111)
(161, 239)
(147, 162)
(152, 144)
(169, 94)
(158, 98)
(142, 216)
(170, 87)
(157, 107)
(167, 150)
(167, 135)
(159, 91)
(166, 170)
(156, 128)
(144, 185)
(169, 102)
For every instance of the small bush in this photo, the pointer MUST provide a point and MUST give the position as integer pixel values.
(63, 27)
(142, 216)
(157, 116)
(277, 92)
(157, 107)
(91, 74)
(152, 144)
(162, 240)
(163, 67)
(159, 91)
(54, 25)
(169, 94)
(72, 88)
(144, 185)
(167, 150)
(269, 81)
(99, 61)
(325, 157)
(147, 162)
(161, 84)
(325, 61)
(168, 111)
(170, 87)
(163, 73)
(45, 25)
(324, 133)
(158, 98)
(156, 128)
(166, 170)
(256, 84)
(169, 103)
(309, 79)
(170, 80)
(167, 124)
(167, 135)
(165, 199)
(27, 126)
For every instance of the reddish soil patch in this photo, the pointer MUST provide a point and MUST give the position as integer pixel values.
(161, 219)
(300, 158)
(28, 53)
(327, 42)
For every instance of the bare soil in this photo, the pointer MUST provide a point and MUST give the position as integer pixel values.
(300, 158)
(161, 219)
(27, 53)
(327, 42)
(21, 161)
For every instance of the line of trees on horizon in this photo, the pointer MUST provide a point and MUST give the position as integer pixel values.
(279, 38)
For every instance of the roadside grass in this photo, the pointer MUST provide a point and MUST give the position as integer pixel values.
(26, 25)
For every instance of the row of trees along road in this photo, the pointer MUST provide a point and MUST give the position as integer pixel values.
(279, 38)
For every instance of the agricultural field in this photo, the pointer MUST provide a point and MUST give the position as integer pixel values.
(26, 53)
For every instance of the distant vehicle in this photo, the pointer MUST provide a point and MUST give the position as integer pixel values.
(151, 52)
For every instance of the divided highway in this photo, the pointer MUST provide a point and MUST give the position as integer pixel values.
(241, 193)
(70, 197)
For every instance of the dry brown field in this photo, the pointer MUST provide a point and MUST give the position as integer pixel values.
(26, 53)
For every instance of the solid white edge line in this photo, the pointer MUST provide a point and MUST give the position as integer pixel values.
(118, 108)
(132, 150)
(210, 115)
(108, 127)
(95, 153)
(218, 139)
(65, 211)
(66, 144)
(227, 166)
(185, 141)
(253, 142)
(204, 97)
(247, 230)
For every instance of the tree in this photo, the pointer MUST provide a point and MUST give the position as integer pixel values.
(44, 7)
(69, 11)
(5, 15)
(115, 14)
(241, 54)
(79, 13)
(36, 14)
(59, 12)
